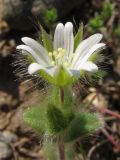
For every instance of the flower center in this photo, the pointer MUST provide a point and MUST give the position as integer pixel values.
(60, 57)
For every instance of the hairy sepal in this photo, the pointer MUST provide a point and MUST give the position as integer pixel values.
(78, 36)
(47, 42)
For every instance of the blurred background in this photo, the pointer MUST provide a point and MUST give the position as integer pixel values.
(20, 18)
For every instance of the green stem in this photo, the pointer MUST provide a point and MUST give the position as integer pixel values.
(61, 95)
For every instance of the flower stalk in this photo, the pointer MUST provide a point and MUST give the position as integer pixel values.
(62, 95)
(61, 150)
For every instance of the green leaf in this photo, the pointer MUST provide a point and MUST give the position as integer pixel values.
(56, 119)
(47, 42)
(78, 36)
(82, 125)
(107, 9)
(50, 16)
(96, 22)
(35, 117)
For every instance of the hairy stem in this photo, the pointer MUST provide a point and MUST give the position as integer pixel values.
(62, 151)
(61, 95)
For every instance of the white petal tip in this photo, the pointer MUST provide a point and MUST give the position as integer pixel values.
(69, 25)
(19, 47)
(59, 25)
(34, 67)
(99, 35)
(23, 38)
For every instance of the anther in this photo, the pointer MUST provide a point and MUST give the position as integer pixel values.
(53, 62)
(60, 49)
(50, 53)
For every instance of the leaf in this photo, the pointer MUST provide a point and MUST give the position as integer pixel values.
(108, 9)
(56, 119)
(78, 36)
(82, 125)
(35, 117)
(96, 22)
(47, 42)
(50, 16)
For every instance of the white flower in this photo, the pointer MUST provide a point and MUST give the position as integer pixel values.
(63, 54)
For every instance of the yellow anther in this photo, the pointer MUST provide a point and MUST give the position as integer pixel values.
(53, 62)
(50, 53)
(60, 49)
(60, 55)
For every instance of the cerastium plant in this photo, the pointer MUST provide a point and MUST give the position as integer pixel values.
(62, 63)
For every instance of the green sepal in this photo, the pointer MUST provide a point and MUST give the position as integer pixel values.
(46, 76)
(56, 120)
(97, 76)
(63, 78)
(30, 59)
(78, 36)
(47, 42)
(35, 117)
(82, 125)
(96, 58)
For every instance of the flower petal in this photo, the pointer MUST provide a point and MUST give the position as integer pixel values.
(32, 52)
(74, 72)
(89, 66)
(34, 67)
(96, 47)
(59, 37)
(85, 45)
(38, 48)
(68, 38)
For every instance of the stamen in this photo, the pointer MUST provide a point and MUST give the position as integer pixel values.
(50, 54)
(60, 49)
(53, 62)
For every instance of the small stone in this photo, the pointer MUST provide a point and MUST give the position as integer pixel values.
(5, 151)
(10, 137)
